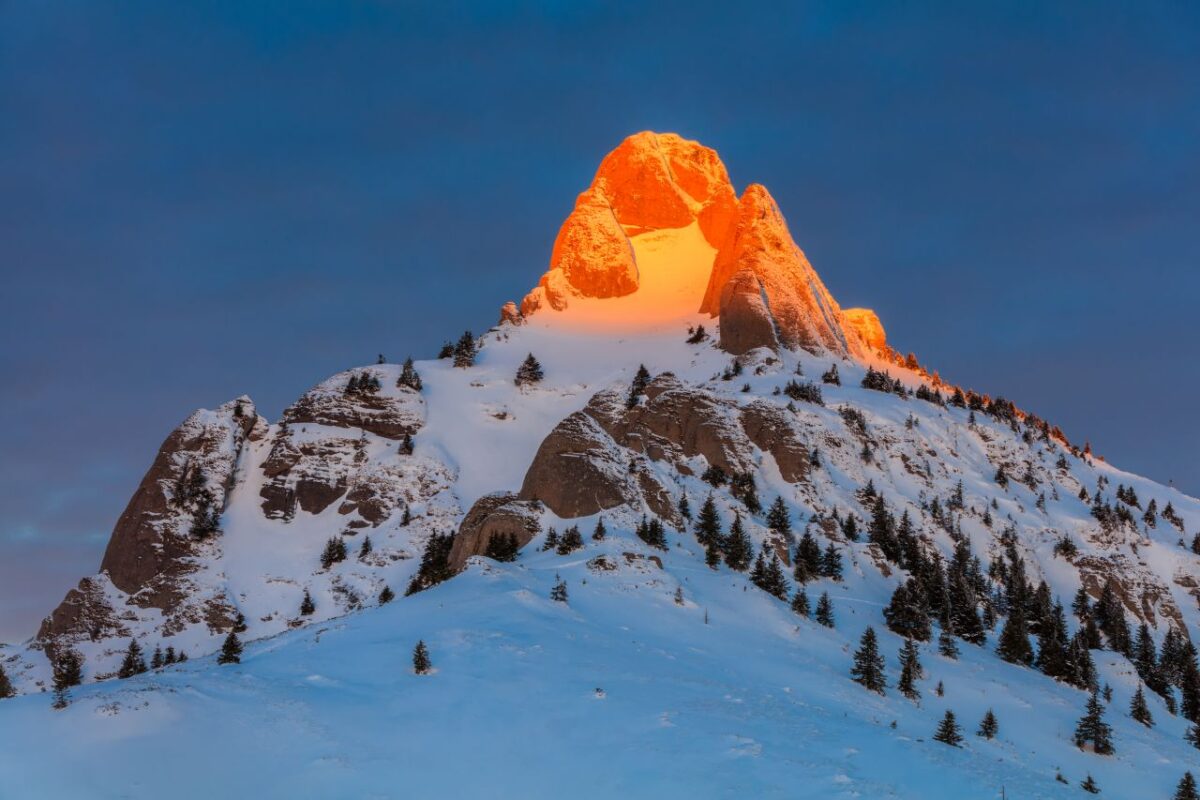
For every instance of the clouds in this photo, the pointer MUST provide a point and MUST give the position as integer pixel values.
(204, 200)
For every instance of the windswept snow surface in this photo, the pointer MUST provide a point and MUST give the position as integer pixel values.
(755, 702)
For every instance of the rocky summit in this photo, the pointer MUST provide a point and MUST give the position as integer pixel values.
(677, 512)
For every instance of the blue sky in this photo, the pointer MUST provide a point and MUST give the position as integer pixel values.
(207, 199)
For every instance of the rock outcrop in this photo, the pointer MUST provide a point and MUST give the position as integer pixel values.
(865, 323)
(155, 542)
(602, 457)
(804, 312)
(650, 182)
(746, 322)
(499, 514)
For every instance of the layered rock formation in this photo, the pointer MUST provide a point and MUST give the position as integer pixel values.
(865, 323)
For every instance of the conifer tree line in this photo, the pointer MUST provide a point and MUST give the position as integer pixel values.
(363, 383)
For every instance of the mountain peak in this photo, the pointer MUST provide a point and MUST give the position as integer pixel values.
(661, 222)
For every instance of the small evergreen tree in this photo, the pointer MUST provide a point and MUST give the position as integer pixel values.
(738, 547)
(1089, 785)
(1187, 788)
(365, 549)
(910, 670)
(708, 524)
(134, 662)
(422, 665)
(307, 606)
(334, 552)
(638, 388)
(868, 663)
(1014, 639)
(572, 540)
(906, 614)
(1092, 729)
(169, 656)
(6, 687)
(465, 350)
(778, 518)
(824, 615)
(831, 563)
(988, 727)
(231, 650)
(558, 593)
(947, 731)
(386, 596)
(800, 602)
(1139, 710)
(600, 532)
(239, 623)
(156, 660)
(529, 372)
(409, 376)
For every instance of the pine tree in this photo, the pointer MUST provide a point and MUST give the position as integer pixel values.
(572, 540)
(947, 731)
(307, 606)
(334, 552)
(800, 602)
(386, 596)
(1089, 785)
(435, 564)
(808, 559)
(947, 646)
(465, 350)
(831, 563)
(231, 650)
(1014, 639)
(529, 372)
(134, 662)
(409, 376)
(824, 615)
(906, 614)
(988, 727)
(1139, 710)
(156, 661)
(365, 549)
(6, 687)
(1192, 736)
(420, 659)
(1187, 788)
(868, 663)
(910, 670)
(712, 556)
(738, 547)
(239, 623)
(558, 593)
(708, 524)
(551, 542)
(169, 657)
(638, 388)
(778, 518)
(1093, 729)
(600, 532)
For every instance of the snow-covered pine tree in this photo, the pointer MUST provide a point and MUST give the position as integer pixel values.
(307, 606)
(530, 372)
(386, 595)
(1093, 730)
(558, 592)
(600, 531)
(988, 727)
(465, 350)
(1139, 710)
(910, 670)
(409, 376)
(800, 602)
(638, 387)
(824, 613)
(422, 665)
(134, 662)
(365, 548)
(1089, 785)
(231, 650)
(1186, 789)
(778, 518)
(738, 547)
(906, 614)
(1014, 646)
(868, 666)
(156, 660)
(947, 730)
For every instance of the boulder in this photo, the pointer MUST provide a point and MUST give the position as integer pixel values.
(578, 470)
(502, 513)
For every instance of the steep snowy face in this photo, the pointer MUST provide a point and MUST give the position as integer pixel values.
(661, 237)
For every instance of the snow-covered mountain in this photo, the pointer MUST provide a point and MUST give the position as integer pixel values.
(682, 659)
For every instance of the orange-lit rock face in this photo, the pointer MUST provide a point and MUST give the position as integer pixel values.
(651, 182)
(805, 314)
(866, 324)
(745, 321)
